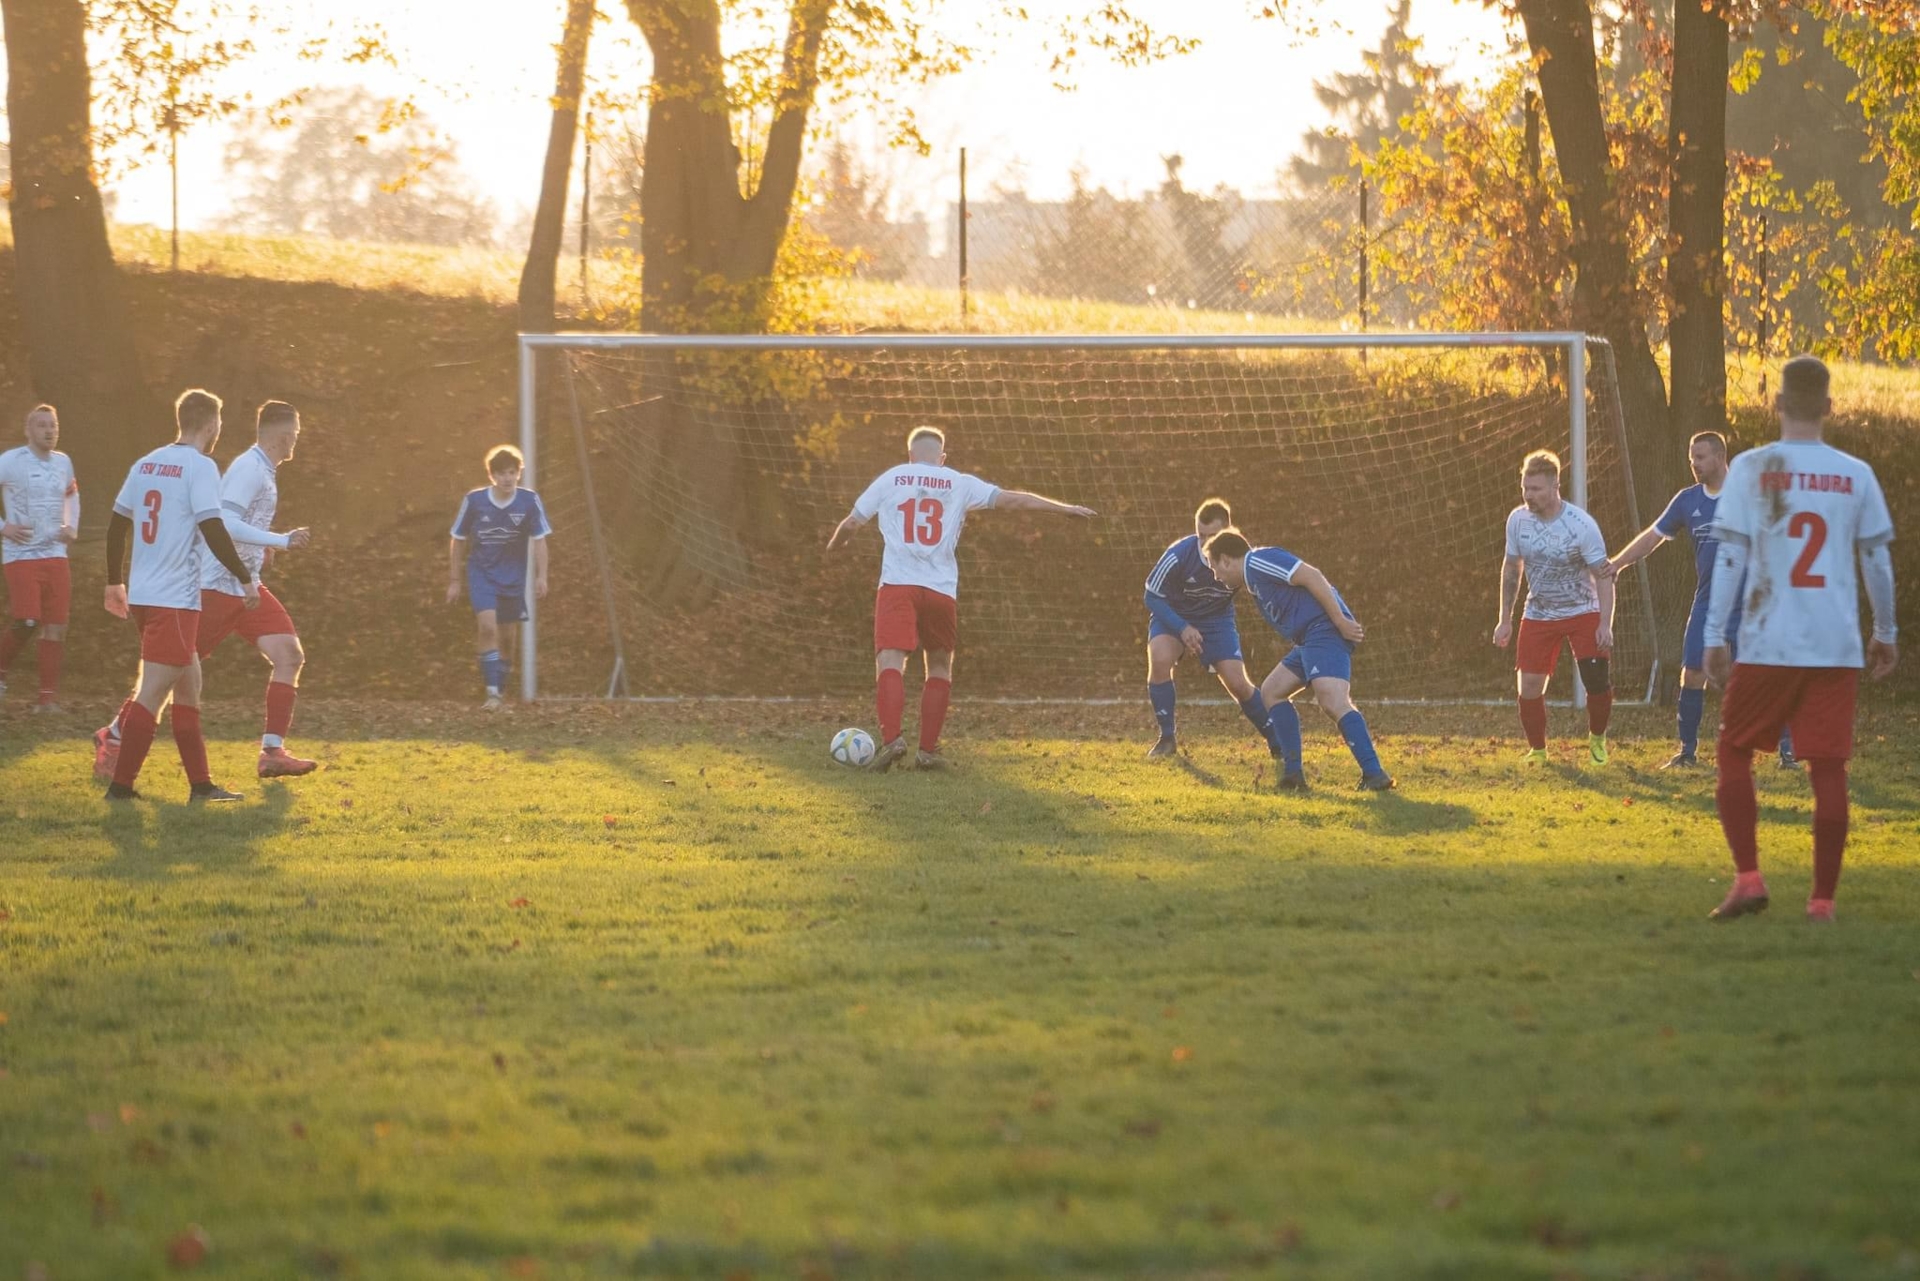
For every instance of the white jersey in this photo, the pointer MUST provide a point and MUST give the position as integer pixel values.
(166, 496)
(921, 509)
(249, 492)
(39, 492)
(1557, 554)
(1803, 508)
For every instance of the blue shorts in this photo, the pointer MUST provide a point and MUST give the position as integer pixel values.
(1319, 656)
(509, 604)
(1693, 650)
(1219, 637)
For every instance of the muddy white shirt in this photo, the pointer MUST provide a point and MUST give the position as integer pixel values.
(37, 491)
(921, 510)
(1557, 555)
(1803, 509)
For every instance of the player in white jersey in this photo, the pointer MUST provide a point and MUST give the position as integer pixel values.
(1793, 519)
(1569, 598)
(249, 498)
(169, 509)
(922, 506)
(41, 507)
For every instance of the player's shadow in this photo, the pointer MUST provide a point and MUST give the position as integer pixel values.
(159, 840)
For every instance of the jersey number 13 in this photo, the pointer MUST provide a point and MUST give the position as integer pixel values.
(921, 521)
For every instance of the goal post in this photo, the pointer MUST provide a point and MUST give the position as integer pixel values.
(692, 480)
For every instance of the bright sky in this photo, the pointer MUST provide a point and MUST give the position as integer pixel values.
(1235, 108)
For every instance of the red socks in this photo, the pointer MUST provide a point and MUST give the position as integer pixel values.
(890, 703)
(193, 748)
(1739, 809)
(933, 711)
(50, 654)
(1599, 711)
(1533, 720)
(1829, 824)
(280, 696)
(11, 640)
(136, 737)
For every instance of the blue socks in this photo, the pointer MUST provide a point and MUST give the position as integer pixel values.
(1353, 728)
(1161, 696)
(493, 670)
(1693, 705)
(1283, 732)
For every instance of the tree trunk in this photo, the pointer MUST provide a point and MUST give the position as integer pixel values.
(550, 215)
(708, 250)
(1697, 220)
(79, 340)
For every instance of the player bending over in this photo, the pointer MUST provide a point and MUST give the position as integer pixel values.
(1692, 510)
(169, 508)
(1569, 598)
(502, 521)
(39, 519)
(922, 504)
(1793, 518)
(249, 497)
(1302, 606)
(1192, 613)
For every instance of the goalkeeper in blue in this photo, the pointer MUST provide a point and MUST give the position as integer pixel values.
(1302, 606)
(1192, 613)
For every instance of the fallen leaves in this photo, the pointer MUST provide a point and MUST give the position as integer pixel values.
(519, 903)
(189, 1249)
(1182, 1054)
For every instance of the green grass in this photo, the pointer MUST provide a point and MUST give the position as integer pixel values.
(592, 993)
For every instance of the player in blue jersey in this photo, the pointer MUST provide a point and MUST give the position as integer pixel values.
(1692, 510)
(500, 521)
(1302, 606)
(1192, 613)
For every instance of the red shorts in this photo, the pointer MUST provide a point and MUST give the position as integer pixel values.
(1817, 702)
(166, 635)
(40, 590)
(1538, 649)
(223, 615)
(908, 618)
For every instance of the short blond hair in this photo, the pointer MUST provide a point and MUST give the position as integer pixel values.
(919, 434)
(1541, 462)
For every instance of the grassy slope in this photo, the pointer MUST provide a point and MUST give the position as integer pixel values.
(607, 994)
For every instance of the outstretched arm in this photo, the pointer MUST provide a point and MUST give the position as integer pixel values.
(1315, 584)
(853, 521)
(1019, 500)
(1634, 552)
(1509, 593)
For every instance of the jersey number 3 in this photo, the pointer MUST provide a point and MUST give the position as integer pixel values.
(150, 527)
(921, 521)
(1810, 526)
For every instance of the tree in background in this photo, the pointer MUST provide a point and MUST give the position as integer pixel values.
(352, 166)
(1102, 248)
(849, 208)
(79, 339)
(1366, 106)
(550, 213)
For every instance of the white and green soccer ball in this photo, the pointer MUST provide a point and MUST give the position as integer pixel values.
(852, 747)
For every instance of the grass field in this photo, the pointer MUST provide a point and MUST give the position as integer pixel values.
(661, 991)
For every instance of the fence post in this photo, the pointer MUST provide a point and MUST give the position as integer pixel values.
(1364, 229)
(963, 237)
(586, 212)
(1766, 305)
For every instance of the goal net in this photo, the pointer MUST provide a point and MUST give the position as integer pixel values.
(693, 483)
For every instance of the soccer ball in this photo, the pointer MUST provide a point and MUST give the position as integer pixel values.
(852, 747)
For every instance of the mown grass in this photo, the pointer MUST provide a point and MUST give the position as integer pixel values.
(662, 991)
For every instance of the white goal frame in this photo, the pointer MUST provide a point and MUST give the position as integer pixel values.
(1573, 344)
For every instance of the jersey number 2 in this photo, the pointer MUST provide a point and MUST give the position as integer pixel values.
(921, 521)
(150, 527)
(1810, 526)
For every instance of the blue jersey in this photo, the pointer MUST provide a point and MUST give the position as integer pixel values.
(1291, 611)
(1692, 509)
(497, 535)
(1183, 580)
